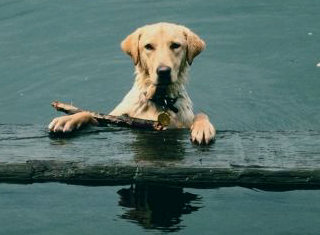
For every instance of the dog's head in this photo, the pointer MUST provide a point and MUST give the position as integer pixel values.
(162, 51)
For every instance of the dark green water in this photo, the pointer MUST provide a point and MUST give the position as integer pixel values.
(258, 73)
(68, 209)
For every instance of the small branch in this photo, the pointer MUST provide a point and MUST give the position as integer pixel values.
(105, 120)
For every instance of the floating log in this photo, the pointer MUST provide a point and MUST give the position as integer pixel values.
(105, 120)
(117, 156)
(197, 177)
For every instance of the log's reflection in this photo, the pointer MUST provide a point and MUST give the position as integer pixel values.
(157, 207)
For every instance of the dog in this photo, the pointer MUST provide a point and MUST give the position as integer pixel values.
(162, 54)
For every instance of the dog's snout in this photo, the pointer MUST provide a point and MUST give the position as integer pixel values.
(164, 71)
(164, 74)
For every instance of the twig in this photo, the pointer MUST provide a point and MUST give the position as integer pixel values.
(105, 120)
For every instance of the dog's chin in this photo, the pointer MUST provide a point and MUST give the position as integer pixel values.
(156, 88)
(162, 85)
(157, 85)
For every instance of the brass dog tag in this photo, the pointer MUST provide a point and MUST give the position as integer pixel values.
(164, 119)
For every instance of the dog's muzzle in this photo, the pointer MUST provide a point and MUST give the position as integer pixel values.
(164, 75)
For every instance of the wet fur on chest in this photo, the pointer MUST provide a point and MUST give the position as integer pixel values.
(138, 104)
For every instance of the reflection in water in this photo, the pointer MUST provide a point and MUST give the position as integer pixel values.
(157, 207)
(164, 145)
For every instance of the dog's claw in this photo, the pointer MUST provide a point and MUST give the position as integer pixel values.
(202, 132)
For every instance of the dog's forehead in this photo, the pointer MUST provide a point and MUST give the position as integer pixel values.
(163, 31)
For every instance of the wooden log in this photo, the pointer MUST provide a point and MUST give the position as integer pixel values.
(116, 156)
(198, 177)
(105, 120)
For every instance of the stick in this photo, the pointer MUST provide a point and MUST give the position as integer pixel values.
(105, 120)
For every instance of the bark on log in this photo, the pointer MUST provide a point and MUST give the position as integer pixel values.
(205, 177)
(105, 120)
(278, 160)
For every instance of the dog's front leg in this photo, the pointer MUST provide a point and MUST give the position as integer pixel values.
(202, 131)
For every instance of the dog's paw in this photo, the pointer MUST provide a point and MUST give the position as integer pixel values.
(71, 122)
(202, 131)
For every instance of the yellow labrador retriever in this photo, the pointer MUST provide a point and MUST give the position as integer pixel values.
(161, 54)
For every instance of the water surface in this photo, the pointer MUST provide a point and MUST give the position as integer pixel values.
(258, 73)
(69, 209)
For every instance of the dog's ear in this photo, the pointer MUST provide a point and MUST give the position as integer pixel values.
(130, 45)
(194, 45)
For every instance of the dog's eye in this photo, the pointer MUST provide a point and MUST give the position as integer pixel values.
(175, 45)
(149, 47)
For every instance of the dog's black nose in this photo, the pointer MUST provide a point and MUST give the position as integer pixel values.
(164, 73)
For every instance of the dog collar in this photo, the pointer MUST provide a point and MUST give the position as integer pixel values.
(165, 102)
